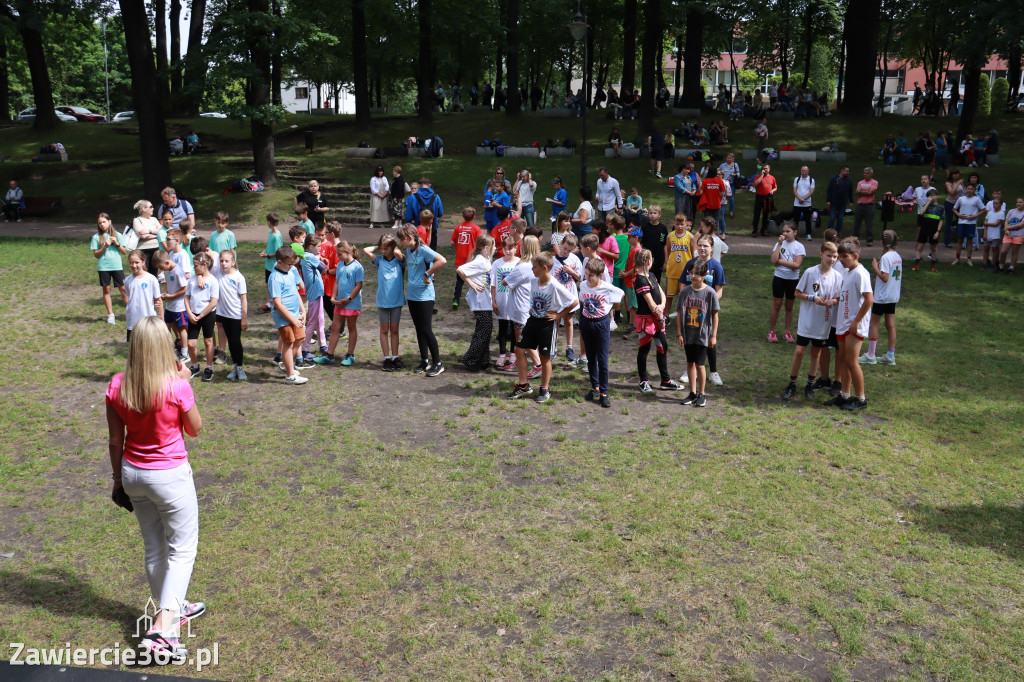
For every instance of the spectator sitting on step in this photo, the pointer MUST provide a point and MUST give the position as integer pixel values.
(14, 202)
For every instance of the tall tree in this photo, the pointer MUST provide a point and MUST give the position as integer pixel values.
(175, 61)
(360, 82)
(861, 35)
(653, 30)
(693, 91)
(425, 71)
(512, 106)
(5, 80)
(258, 36)
(191, 95)
(162, 70)
(156, 167)
(629, 45)
(29, 21)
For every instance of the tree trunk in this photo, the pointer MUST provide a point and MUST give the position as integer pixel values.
(28, 22)
(883, 64)
(784, 59)
(651, 47)
(275, 55)
(425, 75)
(693, 93)
(808, 41)
(175, 63)
(840, 79)
(380, 87)
(862, 23)
(156, 167)
(259, 39)
(628, 47)
(679, 67)
(512, 105)
(5, 97)
(972, 86)
(1013, 61)
(195, 62)
(660, 67)
(160, 27)
(359, 81)
(588, 74)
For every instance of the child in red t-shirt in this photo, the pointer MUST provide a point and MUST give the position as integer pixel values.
(464, 237)
(503, 228)
(425, 225)
(332, 235)
(628, 274)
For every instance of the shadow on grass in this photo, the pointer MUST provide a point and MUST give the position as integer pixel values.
(64, 594)
(996, 526)
(88, 376)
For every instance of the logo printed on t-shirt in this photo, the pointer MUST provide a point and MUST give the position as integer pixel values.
(592, 304)
(539, 304)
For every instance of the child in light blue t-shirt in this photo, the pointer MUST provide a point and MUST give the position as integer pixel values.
(313, 282)
(390, 263)
(347, 298)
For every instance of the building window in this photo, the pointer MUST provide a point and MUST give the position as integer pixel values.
(301, 93)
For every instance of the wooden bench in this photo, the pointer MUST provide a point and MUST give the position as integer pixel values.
(42, 206)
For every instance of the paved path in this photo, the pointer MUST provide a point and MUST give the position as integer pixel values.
(740, 244)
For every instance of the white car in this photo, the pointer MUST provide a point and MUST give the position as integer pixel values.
(29, 116)
(213, 114)
(122, 116)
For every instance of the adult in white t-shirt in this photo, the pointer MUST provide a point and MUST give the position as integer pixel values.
(803, 190)
(524, 189)
(609, 194)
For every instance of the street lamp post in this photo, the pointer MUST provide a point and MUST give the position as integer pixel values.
(578, 30)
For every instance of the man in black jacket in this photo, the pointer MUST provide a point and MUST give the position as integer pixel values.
(838, 198)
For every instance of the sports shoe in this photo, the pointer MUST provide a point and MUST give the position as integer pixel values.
(956, 261)
(983, 268)
(220, 358)
(195, 371)
(570, 354)
(435, 369)
(605, 400)
(685, 379)
(772, 337)
(821, 383)
(343, 333)
(191, 611)
(836, 388)
(645, 387)
(632, 335)
(397, 364)
(787, 394)
(520, 391)
(535, 372)
(455, 305)
(612, 325)
(690, 399)
(164, 649)
(387, 366)
(349, 360)
(715, 378)
(1009, 270)
(281, 367)
(183, 356)
(887, 360)
(701, 400)
(233, 374)
(867, 359)
(265, 308)
(592, 394)
(789, 338)
(917, 266)
(970, 262)
(303, 363)
(308, 357)
(511, 366)
(934, 269)
(543, 395)
(854, 404)
(277, 357)
(669, 386)
(241, 375)
(809, 237)
(110, 319)
(323, 350)
(657, 174)
(837, 401)
(422, 367)
(296, 379)
(326, 359)
(583, 363)
(500, 364)
(208, 374)
(809, 391)
(574, 362)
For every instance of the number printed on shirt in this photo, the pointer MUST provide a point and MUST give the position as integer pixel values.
(464, 238)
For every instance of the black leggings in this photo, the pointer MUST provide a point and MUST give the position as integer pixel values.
(233, 330)
(661, 341)
(713, 359)
(422, 314)
(506, 335)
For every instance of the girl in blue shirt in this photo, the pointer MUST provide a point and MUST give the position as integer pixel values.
(421, 263)
(347, 298)
(490, 206)
(558, 203)
(390, 262)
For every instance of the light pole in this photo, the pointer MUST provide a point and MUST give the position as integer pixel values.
(578, 30)
(106, 71)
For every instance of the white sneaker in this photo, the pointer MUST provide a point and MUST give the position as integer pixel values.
(868, 359)
(956, 261)
(233, 375)
(715, 378)
(969, 262)
(685, 378)
(612, 326)
(110, 319)
(241, 375)
(296, 379)
(645, 387)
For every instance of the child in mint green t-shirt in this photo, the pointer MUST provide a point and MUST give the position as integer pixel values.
(303, 215)
(108, 246)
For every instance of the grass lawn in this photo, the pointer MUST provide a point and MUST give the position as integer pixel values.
(393, 526)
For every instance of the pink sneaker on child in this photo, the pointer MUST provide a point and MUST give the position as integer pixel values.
(789, 338)
(772, 338)
(534, 373)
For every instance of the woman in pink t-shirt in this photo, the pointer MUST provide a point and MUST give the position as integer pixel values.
(147, 408)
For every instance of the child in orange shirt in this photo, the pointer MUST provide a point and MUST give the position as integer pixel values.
(628, 274)
(504, 227)
(464, 237)
(329, 256)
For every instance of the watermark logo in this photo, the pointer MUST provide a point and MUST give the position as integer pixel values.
(144, 623)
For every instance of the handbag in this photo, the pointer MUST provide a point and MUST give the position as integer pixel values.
(130, 238)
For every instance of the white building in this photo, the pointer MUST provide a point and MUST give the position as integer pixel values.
(299, 96)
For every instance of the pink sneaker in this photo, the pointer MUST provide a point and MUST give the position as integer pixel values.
(163, 649)
(512, 366)
(534, 373)
(772, 338)
(789, 338)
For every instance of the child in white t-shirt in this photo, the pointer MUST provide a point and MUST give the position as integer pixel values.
(476, 274)
(142, 292)
(888, 286)
(1013, 236)
(568, 271)
(855, 299)
(597, 297)
(202, 294)
(175, 279)
(787, 256)
(818, 290)
(501, 304)
(995, 216)
(232, 310)
(519, 302)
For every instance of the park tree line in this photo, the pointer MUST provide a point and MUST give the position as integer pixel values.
(172, 58)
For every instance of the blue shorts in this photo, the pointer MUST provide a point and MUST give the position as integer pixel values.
(966, 231)
(179, 320)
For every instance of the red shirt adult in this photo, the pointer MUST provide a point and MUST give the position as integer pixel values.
(499, 232)
(711, 194)
(464, 237)
(765, 185)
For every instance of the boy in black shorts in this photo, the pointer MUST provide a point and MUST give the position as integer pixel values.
(549, 303)
(697, 326)
(929, 225)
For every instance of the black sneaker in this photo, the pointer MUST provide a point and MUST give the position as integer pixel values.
(809, 391)
(421, 368)
(592, 394)
(836, 388)
(790, 390)
(208, 374)
(670, 386)
(520, 392)
(855, 404)
(605, 400)
(398, 364)
(543, 395)
(689, 400)
(837, 401)
(435, 369)
(701, 401)
(277, 358)
(820, 383)
(388, 365)
(195, 370)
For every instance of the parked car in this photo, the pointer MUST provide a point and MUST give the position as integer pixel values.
(213, 114)
(122, 116)
(29, 116)
(83, 114)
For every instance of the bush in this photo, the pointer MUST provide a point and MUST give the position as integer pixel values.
(985, 96)
(1001, 93)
